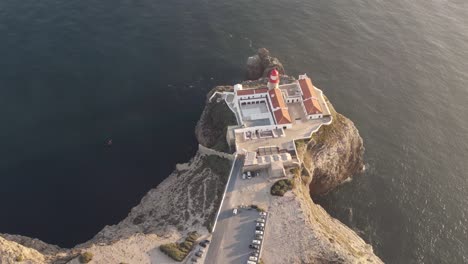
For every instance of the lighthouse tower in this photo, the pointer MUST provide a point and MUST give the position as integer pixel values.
(273, 80)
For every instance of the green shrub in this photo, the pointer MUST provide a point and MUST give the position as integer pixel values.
(186, 246)
(281, 187)
(192, 236)
(86, 257)
(173, 251)
(178, 251)
(19, 258)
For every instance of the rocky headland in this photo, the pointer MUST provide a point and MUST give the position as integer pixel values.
(303, 232)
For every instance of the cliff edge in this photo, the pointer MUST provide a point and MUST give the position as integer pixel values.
(188, 199)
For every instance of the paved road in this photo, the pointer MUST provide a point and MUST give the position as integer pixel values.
(227, 225)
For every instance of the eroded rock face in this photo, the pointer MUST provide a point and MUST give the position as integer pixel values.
(185, 201)
(336, 154)
(261, 64)
(216, 117)
(12, 252)
(310, 233)
(303, 232)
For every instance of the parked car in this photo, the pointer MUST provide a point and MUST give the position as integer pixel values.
(199, 254)
(234, 211)
(260, 220)
(254, 246)
(263, 213)
(259, 228)
(256, 242)
(251, 262)
(249, 174)
(252, 258)
(255, 254)
(259, 237)
(243, 176)
(260, 224)
(257, 173)
(258, 232)
(204, 243)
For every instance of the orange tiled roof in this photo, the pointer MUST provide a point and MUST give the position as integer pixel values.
(277, 99)
(308, 89)
(312, 106)
(282, 116)
(309, 96)
(252, 91)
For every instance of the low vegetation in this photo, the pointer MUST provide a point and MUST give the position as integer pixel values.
(86, 257)
(327, 132)
(282, 186)
(218, 165)
(221, 167)
(258, 208)
(19, 258)
(217, 121)
(178, 251)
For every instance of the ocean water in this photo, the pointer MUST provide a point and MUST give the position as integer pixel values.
(76, 74)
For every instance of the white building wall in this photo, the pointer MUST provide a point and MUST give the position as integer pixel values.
(316, 116)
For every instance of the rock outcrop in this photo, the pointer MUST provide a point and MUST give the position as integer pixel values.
(261, 64)
(12, 252)
(328, 159)
(214, 120)
(334, 154)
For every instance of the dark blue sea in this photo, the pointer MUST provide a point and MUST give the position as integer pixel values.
(99, 99)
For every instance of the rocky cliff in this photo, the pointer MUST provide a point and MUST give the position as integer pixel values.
(260, 65)
(188, 199)
(334, 154)
(331, 156)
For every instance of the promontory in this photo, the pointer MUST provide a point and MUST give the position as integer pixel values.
(266, 146)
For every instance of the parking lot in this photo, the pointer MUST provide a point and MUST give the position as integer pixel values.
(237, 239)
(235, 231)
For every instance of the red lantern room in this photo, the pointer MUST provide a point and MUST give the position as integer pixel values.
(273, 80)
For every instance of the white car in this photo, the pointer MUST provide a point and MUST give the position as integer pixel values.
(243, 176)
(261, 224)
(251, 262)
(234, 211)
(256, 242)
(263, 213)
(260, 220)
(252, 258)
(258, 232)
(249, 174)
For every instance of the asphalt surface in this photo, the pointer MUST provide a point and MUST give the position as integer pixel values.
(233, 233)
